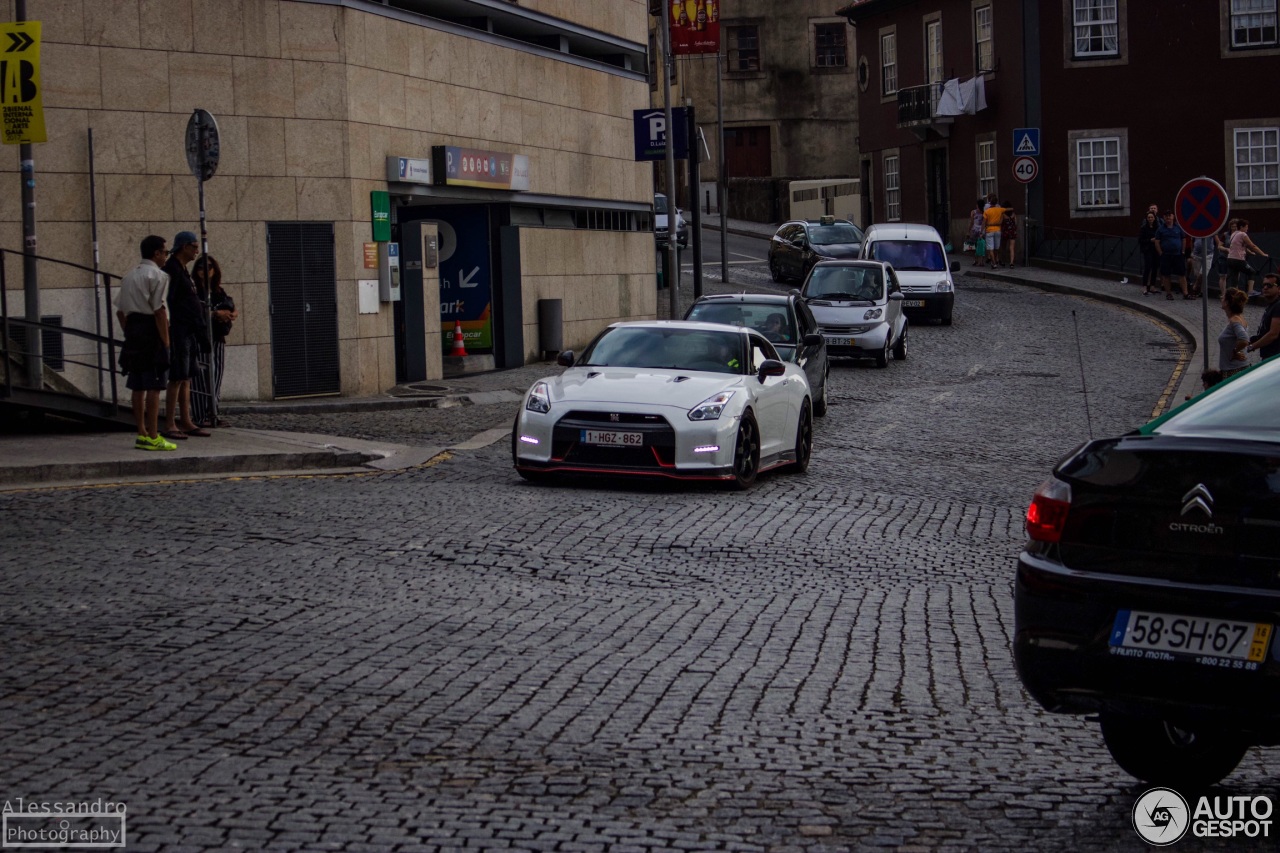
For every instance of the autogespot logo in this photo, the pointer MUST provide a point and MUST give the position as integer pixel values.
(1161, 817)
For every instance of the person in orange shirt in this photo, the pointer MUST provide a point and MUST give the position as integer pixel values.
(992, 218)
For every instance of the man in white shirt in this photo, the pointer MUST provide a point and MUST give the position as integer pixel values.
(144, 318)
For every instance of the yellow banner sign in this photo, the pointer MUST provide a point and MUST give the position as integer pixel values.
(21, 110)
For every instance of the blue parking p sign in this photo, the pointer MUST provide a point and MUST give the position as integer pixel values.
(1026, 142)
(650, 128)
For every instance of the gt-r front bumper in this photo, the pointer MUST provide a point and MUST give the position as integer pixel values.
(659, 442)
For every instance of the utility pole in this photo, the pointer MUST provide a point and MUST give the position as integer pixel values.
(30, 283)
(664, 27)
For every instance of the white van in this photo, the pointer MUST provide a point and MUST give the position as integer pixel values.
(919, 257)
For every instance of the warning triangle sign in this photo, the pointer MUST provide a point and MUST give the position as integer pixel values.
(1026, 146)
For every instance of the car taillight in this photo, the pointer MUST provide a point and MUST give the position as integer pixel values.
(1047, 514)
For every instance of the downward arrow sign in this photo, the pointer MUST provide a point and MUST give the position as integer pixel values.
(464, 279)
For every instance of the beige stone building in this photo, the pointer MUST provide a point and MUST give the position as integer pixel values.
(501, 131)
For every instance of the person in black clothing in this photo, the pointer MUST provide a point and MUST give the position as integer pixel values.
(206, 388)
(1267, 341)
(187, 330)
(1150, 258)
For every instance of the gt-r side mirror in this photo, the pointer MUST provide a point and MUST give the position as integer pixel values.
(771, 367)
(955, 266)
(565, 359)
(896, 296)
(812, 340)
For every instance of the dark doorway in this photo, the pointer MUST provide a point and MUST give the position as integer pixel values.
(939, 200)
(303, 289)
(746, 152)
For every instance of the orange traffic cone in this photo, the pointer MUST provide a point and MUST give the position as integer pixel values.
(459, 348)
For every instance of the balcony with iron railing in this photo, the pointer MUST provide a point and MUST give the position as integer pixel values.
(918, 108)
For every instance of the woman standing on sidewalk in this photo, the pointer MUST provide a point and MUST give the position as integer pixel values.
(1238, 269)
(205, 397)
(1009, 232)
(1235, 337)
(1150, 259)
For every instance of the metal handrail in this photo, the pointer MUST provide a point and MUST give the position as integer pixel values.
(8, 353)
(1100, 251)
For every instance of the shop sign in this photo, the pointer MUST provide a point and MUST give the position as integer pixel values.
(408, 170)
(466, 276)
(695, 26)
(21, 104)
(474, 167)
(380, 206)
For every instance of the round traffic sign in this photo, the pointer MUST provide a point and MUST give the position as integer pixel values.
(202, 145)
(1202, 207)
(1025, 169)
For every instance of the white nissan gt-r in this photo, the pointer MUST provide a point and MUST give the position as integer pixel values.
(699, 401)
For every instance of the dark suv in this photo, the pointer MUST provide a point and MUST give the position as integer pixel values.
(1149, 589)
(788, 324)
(801, 243)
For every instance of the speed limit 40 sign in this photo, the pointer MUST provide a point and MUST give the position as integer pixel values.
(1025, 169)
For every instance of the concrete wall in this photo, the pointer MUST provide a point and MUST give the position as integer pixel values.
(616, 281)
(310, 99)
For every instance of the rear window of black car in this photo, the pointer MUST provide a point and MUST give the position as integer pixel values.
(1247, 406)
(830, 235)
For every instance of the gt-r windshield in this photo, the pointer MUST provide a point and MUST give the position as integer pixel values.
(667, 348)
(910, 255)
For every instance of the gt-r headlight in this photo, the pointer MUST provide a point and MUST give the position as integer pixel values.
(711, 408)
(873, 314)
(539, 399)
(943, 287)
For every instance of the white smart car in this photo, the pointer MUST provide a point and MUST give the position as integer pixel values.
(698, 401)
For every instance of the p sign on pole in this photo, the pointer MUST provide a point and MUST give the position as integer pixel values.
(1202, 207)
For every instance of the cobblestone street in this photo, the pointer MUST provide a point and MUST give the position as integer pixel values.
(449, 658)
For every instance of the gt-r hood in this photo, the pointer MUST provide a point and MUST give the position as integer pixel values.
(638, 386)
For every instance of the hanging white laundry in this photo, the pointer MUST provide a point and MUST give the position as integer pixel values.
(950, 102)
(979, 101)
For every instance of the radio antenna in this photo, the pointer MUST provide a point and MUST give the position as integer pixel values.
(1084, 388)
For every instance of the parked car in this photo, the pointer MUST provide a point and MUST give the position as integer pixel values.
(1149, 590)
(858, 305)
(801, 243)
(660, 223)
(699, 401)
(785, 321)
(919, 257)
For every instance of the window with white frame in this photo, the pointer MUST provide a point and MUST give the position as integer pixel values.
(986, 168)
(888, 63)
(892, 193)
(983, 44)
(933, 62)
(1253, 24)
(1097, 28)
(1257, 162)
(1098, 172)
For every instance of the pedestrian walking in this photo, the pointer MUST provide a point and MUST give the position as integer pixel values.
(1009, 232)
(1235, 336)
(188, 334)
(1168, 243)
(144, 318)
(1267, 341)
(1238, 269)
(1150, 257)
(206, 385)
(1224, 242)
(976, 228)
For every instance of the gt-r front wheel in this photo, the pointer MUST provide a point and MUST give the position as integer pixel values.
(804, 441)
(746, 454)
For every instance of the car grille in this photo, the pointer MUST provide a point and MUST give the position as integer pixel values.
(848, 330)
(658, 452)
(917, 288)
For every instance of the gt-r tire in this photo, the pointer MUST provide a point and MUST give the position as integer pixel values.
(900, 348)
(1156, 751)
(531, 476)
(804, 441)
(820, 405)
(775, 271)
(746, 454)
(882, 357)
